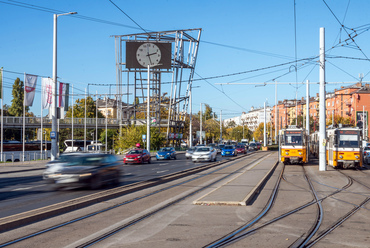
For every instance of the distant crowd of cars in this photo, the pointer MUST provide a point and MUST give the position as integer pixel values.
(97, 169)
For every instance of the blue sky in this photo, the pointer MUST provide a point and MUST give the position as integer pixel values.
(237, 37)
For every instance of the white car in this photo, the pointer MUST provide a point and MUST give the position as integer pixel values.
(189, 152)
(204, 153)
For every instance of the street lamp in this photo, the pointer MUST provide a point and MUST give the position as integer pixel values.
(53, 111)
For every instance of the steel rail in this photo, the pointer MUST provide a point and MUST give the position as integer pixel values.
(151, 213)
(234, 235)
(15, 221)
(343, 218)
(338, 223)
(320, 215)
(139, 186)
(242, 234)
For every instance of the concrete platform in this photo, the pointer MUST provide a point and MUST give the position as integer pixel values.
(241, 188)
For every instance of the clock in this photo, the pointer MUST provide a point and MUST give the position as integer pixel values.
(148, 54)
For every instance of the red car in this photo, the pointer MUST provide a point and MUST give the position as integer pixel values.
(241, 149)
(137, 156)
(258, 145)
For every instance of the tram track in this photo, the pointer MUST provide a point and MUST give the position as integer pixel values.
(246, 230)
(28, 217)
(136, 220)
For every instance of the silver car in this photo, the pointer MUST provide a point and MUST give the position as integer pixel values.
(189, 152)
(204, 153)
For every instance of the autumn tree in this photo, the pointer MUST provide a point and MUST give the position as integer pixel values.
(79, 112)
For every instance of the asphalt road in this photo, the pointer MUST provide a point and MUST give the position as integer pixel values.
(26, 190)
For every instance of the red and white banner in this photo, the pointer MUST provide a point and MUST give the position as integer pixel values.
(29, 89)
(46, 92)
(63, 95)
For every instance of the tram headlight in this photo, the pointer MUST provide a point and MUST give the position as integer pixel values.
(300, 153)
(340, 156)
(287, 153)
(356, 156)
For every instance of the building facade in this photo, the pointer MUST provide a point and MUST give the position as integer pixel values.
(252, 119)
(348, 105)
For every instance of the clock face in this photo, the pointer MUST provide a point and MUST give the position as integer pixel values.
(148, 54)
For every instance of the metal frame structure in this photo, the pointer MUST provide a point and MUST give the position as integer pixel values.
(185, 45)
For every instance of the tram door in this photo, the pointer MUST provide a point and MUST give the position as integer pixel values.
(331, 149)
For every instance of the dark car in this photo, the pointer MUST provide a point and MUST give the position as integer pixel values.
(137, 156)
(241, 149)
(253, 147)
(83, 169)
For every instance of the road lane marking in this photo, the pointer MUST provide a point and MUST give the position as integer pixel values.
(18, 189)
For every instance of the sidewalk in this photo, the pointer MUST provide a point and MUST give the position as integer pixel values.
(240, 189)
(22, 166)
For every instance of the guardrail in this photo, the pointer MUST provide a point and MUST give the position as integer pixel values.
(31, 122)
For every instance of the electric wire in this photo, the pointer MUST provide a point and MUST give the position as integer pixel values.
(55, 11)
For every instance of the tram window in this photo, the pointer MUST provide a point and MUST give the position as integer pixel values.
(348, 141)
(293, 140)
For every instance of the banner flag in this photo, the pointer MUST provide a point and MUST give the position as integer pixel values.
(46, 92)
(63, 95)
(29, 88)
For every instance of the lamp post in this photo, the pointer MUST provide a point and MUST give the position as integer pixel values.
(54, 148)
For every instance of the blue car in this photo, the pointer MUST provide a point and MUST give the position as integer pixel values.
(166, 153)
(228, 150)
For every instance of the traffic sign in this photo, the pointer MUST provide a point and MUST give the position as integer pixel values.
(53, 135)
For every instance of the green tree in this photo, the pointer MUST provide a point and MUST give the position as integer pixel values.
(79, 112)
(111, 136)
(231, 124)
(131, 135)
(16, 108)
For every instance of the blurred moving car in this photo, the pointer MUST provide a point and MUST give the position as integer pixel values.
(189, 152)
(258, 145)
(228, 150)
(253, 147)
(220, 147)
(204, 153)
(241, 149)
(366, 150)
(137, 156)
(166, 153)
(367, 158)
(83, 169)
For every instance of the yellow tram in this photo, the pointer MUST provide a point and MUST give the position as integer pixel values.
(314, 144)
(343, 149)
(293, 145)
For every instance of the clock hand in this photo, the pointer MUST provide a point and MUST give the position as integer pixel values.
(151, 54)
(150, 61)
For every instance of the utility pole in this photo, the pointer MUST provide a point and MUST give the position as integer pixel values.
(276, 113)
(264, 124)
(322, 127)
(220, 125)
(148, 114)
(308, 114)
(201, 131)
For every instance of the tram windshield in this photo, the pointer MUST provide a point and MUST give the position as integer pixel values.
(293, 138)
(348, 140)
